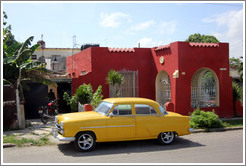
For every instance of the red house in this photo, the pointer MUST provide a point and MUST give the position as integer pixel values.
(187, 74)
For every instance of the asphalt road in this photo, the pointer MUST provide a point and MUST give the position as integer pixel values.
(214, 147)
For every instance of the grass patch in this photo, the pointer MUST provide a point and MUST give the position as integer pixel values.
(19, 142)
(233, 123)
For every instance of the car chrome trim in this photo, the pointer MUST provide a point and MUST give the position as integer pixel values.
(107, 126)
(191, 129)
(61, 138)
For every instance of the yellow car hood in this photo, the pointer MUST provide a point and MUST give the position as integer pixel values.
(79, 116)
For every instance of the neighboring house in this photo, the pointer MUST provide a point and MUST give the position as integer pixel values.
(171, 73)
(235, 75)
(55, 59)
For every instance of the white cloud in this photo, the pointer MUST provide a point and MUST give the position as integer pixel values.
(167, 27)
(142, 26)
(149, 42)
(229, 29)
(113, 19)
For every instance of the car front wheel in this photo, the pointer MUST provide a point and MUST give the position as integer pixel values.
(166, 137)
(85, 141)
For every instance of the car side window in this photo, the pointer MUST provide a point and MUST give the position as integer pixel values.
(144, 109)
(122, 110)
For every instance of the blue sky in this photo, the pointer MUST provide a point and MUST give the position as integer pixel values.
(126, 24)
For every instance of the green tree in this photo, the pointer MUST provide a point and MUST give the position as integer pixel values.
(198, 38)
(115, 79)
(18, 66)
(9, 37)
(237, 93)
(208, 80)
(237, 63)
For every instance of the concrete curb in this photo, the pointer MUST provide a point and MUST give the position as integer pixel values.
(217, 129)
(8, 145)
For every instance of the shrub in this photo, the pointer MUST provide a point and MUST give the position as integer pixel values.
(73, 102)
(205, 120)
(84, 93)
(97, 97)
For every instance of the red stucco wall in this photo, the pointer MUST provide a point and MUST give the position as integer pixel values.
(181, 56)
(102, 61)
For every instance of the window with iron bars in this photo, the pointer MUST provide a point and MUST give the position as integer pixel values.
(203, 89)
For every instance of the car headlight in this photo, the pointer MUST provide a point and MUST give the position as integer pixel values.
(62, 124)
(56, 119)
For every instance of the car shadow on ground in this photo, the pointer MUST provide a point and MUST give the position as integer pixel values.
(127, 147)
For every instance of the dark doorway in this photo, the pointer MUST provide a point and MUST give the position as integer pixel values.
(61, 89)
(34, 98)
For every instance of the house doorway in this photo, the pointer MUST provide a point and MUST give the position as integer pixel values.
(163, 88)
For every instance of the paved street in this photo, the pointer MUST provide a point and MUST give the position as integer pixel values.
(214, 147)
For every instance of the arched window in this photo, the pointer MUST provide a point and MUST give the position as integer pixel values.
(163, 88)
(204, 89)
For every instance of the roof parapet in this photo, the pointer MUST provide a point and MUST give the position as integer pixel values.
(121, 50)
(162, 47)
(193, 44)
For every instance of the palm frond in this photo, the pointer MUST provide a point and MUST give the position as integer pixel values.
(26, 44)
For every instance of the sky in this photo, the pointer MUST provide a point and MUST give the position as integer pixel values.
(125, 24)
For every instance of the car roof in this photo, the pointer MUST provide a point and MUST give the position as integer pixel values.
(131, 100)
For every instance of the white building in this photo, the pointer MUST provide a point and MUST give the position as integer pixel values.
(55, 58)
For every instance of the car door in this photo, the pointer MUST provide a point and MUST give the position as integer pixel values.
(148, 121)
(121, 123)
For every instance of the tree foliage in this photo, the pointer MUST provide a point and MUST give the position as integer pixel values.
(8, 36)
(18, 66)
(114, 78)
(237, 92)
(84, 94)
(237, 63)
(208, 80)
(198, 38)
(97, 97)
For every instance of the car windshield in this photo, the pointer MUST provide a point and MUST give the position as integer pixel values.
(104, 108)
(163, 110)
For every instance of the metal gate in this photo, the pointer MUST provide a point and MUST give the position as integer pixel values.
(203, 97)
(203, 89)
(129, 88)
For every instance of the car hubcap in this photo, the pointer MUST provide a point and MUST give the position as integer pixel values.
(167, 137)
(85, 141)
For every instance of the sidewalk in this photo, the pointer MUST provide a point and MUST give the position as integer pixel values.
(38, 130)
(35, 131)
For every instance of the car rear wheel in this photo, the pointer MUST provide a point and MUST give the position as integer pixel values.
(85, 141)
(166, 137)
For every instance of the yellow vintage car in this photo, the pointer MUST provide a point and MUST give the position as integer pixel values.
(121, 119)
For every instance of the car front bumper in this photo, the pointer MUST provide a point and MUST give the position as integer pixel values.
(191, 130)
(60, 137)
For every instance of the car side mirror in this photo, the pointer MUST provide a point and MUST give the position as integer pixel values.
(111, 114)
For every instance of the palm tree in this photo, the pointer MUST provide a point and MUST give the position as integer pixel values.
(114, 78)
(19, 67)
